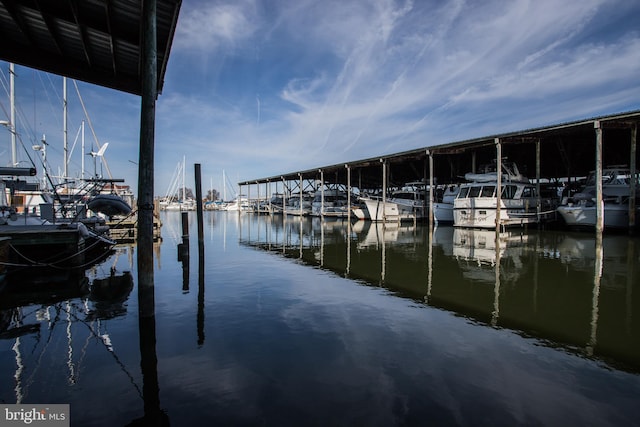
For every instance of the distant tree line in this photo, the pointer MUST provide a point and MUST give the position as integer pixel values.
(211, 196)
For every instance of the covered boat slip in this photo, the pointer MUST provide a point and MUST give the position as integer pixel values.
(553, 158)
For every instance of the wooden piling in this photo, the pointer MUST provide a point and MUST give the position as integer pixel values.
(599, 201)
(146, 162)
(198, 177)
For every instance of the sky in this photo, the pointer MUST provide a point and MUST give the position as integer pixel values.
(255, 89)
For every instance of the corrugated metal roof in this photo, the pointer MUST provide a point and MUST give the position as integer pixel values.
(411, 165)
(97, 41)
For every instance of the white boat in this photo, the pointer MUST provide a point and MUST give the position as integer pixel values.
(360, 211)
(476, 203)
(407, 204)
(579, 211)
(443, 206)
(240, 203)
(335, 203)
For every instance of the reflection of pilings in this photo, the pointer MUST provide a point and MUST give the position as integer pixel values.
(629, 293)
(384, 256)
(495, 314)
(498, 186)
(153, 415)
(597, 276)
(183, 252)
(429, 264)
(200, 315)
(301, 236)
(634, 178)
(348, 248)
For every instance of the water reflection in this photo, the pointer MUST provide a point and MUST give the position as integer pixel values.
(568, 290)
(46, 319)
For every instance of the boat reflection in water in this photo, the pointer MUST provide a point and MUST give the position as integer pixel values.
(566, 290)
(45, 319)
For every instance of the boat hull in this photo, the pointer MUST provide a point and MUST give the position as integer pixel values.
(580, 216)
(481, 213)
(393, 211)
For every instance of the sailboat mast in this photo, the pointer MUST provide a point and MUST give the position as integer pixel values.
(184, 166)
(12, 129)
(82, 165)
(64, 129)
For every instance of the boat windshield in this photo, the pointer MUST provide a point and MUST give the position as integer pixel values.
(407, 195)
(488, 191)
(509, 191)
(613, 177)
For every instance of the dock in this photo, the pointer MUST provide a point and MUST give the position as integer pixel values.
(48, 246)
(126, 230)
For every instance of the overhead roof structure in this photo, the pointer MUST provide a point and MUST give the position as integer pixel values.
(566, 149)
(96, 41)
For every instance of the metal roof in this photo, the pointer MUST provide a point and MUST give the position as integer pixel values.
(566, 147)
(96, 41)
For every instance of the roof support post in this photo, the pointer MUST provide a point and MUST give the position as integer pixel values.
(598, 170)
(300, 175)
(634, 179)
(384, 190)
(498, 186)
(321, 194)
(430, 154)
(538, 199)
(348, 199)
(146, 160)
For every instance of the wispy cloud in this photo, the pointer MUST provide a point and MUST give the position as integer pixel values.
(263, 88)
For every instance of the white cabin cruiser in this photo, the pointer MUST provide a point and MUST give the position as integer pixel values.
(579, 211)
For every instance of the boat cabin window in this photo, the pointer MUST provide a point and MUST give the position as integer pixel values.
(464, 192)
(408, 195)
(474, 192)
(509, 191)
(529, 192)
(488, 191)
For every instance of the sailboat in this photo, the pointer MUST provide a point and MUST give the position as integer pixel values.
(171, 202)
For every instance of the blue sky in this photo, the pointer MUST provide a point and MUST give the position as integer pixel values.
(260, 88)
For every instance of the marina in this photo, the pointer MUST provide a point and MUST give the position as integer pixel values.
(537, 329)
(429, 180)
(445, 284)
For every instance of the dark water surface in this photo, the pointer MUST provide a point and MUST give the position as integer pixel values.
(299, 323)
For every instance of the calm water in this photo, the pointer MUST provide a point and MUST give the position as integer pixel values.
(294, 323)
